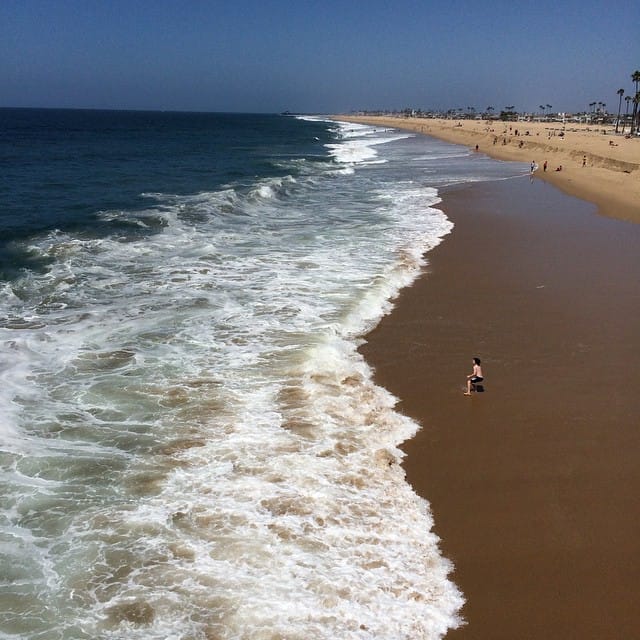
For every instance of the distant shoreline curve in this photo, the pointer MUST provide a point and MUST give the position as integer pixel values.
(597, 165)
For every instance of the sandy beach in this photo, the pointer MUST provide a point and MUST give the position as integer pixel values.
(534, 484)
(597, 165)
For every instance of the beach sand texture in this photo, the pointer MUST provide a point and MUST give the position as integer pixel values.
(609, 178)
(534, 484)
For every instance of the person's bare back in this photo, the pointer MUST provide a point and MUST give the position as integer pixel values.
(475, 376)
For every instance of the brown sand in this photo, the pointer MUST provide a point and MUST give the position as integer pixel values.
(610, 177)
(535, 484)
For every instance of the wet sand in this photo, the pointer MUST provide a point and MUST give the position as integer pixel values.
(535, 484)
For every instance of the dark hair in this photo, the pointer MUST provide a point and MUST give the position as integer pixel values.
(476, 360)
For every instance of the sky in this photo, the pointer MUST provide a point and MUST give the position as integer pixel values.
(317, 56)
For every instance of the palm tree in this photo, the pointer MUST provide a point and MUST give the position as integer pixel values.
(627, 99)
(542, 107)
(635, 76)
(620, 93)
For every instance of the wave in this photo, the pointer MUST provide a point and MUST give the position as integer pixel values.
(195, 442)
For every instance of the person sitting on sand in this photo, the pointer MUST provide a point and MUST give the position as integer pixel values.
(475, 376)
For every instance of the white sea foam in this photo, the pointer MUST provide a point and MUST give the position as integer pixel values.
(358, 143)
(197, 448)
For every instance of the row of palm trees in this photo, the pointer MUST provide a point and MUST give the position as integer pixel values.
(635, 99)
(508, 113)
(635, 117)
(601, 106)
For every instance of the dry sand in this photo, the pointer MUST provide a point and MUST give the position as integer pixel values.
(534, 484)
(610, 178)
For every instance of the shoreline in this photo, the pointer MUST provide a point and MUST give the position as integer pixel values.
(532, 485)
(610, 178)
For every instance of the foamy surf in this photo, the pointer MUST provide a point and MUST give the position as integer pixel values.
(192, 445)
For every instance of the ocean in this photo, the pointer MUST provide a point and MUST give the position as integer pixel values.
(191, 445)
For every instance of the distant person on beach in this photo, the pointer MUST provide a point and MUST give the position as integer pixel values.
(544, 166)
(475, 376)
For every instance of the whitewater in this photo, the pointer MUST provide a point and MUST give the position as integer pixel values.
(192, 445)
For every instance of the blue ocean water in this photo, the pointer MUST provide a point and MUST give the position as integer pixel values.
(191, 446)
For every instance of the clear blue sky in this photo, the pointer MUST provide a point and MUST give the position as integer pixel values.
(321, 56)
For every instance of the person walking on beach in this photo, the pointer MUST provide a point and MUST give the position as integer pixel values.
(475, 376)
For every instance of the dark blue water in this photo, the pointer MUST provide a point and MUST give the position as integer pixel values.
(60, 168)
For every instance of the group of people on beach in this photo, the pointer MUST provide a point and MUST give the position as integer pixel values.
(534, 166)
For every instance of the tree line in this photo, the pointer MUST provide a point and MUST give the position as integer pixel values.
(635, 99)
